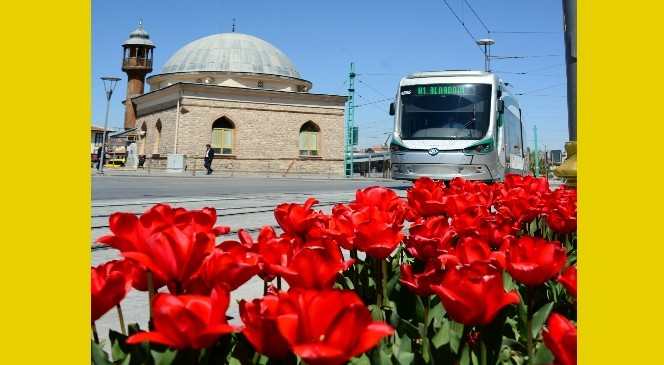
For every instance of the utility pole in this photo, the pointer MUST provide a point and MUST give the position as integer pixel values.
(569, 17)
(536, 152)
(487, 43)
(350, 123)
(109, 86)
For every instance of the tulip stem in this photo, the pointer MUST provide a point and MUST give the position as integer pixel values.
(121, 318)
(379, 282)
(264, 287)
(278, 282)
(530, 294)
(95, 337)
(427, 304)
(148, 275)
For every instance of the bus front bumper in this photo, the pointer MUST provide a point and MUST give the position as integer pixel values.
(413, 171)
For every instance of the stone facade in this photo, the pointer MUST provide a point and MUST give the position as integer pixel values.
(266, 127)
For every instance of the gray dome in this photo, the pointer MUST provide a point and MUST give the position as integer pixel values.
(231, 52)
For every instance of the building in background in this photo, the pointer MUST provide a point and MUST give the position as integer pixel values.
(238, 93)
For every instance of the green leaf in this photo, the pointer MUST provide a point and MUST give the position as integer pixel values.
(465, 356)
(540, 317)
(234, 361)
(473, 358)
(456, 332)
(426, 350)
(542, 356)
(508, 282)
(442, 337)
(127, 360)
(116, 352)
(348, 283)
(362, 360)
(163, 358)
(436, 312)
(405, 343)
(99, 356)
(406, 358)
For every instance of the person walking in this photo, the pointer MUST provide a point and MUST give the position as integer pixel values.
(209, 155)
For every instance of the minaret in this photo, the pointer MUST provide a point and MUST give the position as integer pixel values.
(136, 63)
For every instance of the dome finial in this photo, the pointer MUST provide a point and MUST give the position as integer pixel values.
(233, 25)
(140, 22)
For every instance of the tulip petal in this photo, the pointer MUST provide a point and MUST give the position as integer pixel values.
(288, 327)
(155, 337)
(371, 336)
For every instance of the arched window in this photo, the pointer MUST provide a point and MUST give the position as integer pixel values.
(309, 141)
(143, 132)
(157, 138)
(222, 136)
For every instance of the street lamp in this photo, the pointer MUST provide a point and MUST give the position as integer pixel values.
(487, 43)
(109, 86)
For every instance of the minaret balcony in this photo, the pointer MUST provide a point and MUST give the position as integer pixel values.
(133, 63)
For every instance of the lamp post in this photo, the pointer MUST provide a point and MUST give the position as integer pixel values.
(487, 43)
(109, 86)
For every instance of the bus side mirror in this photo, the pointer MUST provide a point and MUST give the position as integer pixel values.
(391, 108)
(500, 106)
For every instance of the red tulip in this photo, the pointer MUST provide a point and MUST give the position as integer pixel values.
(560, 337)
(298, 219)
(274, 251)
(175, 255)
(131, 232)
(109, 285)
(568, 279)
(474, 294)
(377, 232)
(187, 321)
(313, 267)
(496, 228)
(420, 283)
(328, 327)
(383, 198)
(230, 265)
(427, 198)
(341, 227)
(561, 211)
(533, 261)
(529, 183)
(260, 326)
(139, 277)
(429, 238)
(163, 240)
(471, 249)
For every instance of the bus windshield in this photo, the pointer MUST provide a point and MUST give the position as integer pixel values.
(445, 111)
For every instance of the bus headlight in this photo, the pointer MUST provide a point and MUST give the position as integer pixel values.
(481, 149)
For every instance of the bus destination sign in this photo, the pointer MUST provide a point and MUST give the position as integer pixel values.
(442, 90)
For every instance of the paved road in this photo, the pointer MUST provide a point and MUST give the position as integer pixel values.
(140, 187)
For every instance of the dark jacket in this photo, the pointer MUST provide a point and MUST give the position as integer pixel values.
(209, 155)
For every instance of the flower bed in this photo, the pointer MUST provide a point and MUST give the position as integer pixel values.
(484, 274)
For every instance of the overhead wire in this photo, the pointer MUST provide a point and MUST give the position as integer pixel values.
(477, 16)
(470, 34)
(540, 89)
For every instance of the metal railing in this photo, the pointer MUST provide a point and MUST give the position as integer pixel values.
(137, 62)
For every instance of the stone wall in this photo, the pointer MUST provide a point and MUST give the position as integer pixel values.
(266, 136)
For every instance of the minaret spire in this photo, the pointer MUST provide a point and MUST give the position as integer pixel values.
(233, 25)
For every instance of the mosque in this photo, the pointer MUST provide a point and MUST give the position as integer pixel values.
(238, 93)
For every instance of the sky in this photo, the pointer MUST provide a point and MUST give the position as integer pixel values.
(385, 39)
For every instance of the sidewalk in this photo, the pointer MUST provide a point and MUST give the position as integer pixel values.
(228, 174)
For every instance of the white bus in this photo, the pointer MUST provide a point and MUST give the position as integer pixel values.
(456, 124)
